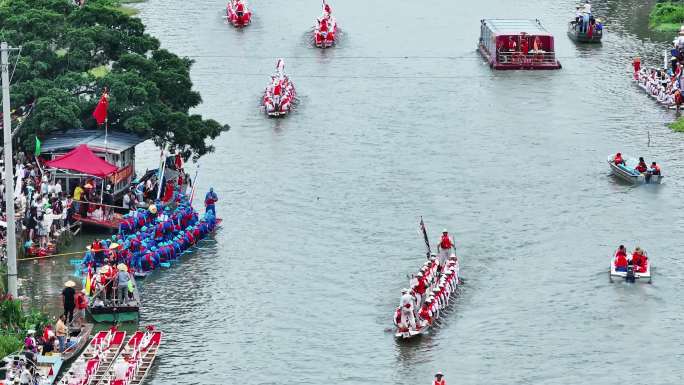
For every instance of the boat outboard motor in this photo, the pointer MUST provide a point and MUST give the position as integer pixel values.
(630, 274)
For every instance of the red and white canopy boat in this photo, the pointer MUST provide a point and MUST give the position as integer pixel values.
(238, 14)
(96, 359)
(280, 93)
(325, 32)
(512, 44)
(135, 360)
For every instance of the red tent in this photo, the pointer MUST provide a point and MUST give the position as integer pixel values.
(83, 160)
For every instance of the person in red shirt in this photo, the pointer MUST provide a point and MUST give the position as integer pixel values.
(444, 248)
(641, 167)
(637, 67)
(621, 259)
(439, 379)
(617, 159)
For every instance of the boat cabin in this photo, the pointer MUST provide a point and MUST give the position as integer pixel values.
(517, 44)
(118, 150)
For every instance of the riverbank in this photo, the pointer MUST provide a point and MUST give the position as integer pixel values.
(667, 16)
(128, 10)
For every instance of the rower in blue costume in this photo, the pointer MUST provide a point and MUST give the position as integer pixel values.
(210, 200)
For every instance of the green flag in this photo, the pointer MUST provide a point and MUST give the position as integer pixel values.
(37, 152)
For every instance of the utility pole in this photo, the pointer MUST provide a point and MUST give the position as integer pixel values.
(9, 174)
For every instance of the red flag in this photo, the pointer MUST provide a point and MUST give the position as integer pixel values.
(100, 113)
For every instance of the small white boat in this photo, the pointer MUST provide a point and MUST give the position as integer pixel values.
(628, 173)
(630, 274)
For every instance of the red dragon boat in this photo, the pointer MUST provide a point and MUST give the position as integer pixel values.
(511, 44)
(325, 32)
(237, 13)
(280, 93)
(135, 361)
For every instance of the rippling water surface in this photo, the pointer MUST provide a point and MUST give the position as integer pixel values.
(403, 119)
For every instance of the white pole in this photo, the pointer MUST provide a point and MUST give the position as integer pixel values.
(162, 167)
(194, 184)
(9, 174)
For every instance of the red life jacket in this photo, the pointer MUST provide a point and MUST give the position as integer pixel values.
(618, 159)
(637, 259)
(277, 89)
(620, 259)
(324, 25)
(445, 243)
(437, 382)
(240, 7)
(641, 167)
(657, 169)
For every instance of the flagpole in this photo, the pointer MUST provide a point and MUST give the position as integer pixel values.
(162, 167)
(194, 184)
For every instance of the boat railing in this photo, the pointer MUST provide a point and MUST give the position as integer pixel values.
(531, 58)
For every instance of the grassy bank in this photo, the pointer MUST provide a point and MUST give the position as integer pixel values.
(677, 125)
(666, 16)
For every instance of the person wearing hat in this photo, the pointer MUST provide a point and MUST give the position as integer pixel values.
(439, 379)
(406, 303)
(69, 300)
(445, 246)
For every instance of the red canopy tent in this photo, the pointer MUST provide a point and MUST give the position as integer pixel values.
(82, 160)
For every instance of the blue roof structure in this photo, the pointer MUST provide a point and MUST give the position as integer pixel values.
(117, 142)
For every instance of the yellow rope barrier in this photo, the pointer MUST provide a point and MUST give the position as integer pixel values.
(52, 256)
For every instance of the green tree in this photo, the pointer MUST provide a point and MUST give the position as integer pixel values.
(71, 54)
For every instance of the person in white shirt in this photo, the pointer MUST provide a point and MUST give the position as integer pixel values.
(406, 304)
(58, 188)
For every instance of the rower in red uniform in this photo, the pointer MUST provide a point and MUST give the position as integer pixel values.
(424, 312)
(621, 259)
(641, 167)
(617, 159)
(326, 8)
(637, 67)
(323, 25)
(439, 379)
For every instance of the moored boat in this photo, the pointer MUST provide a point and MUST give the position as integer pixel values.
(512, 44)
(93, 363)
(78, 338)
(627, 172)
(136, 359)
(111, 310)
(280, 94)
(38, 370)
(325, 33)
(238, 14)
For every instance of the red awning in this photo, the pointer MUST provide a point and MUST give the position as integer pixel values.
(83, 160)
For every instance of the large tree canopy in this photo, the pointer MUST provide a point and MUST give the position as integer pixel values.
(70, 54)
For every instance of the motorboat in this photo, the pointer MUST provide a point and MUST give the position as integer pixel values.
(593, 33)
(631, 273)
(238, 14)
(280, 94)
(628, 173)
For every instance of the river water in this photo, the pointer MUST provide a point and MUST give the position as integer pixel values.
(403, 119)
